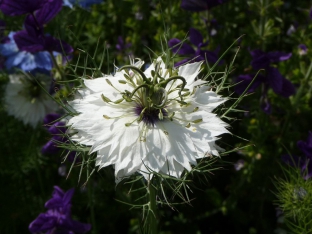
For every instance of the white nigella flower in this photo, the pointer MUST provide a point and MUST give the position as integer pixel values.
(25, 99)
(159, 120)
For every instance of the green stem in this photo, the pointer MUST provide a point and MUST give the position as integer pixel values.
(56, 65)
(302, 86)
(61, 72)
(262, 22)
(30, 151)
(91, 199)
(152, 213)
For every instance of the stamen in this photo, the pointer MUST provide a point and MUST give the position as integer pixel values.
(106, 117)
(145, 80)
(171, 116)
(164, 83)
(160, 115)
(197, 121)
(195, 109)
(188, 125)
(105, 99)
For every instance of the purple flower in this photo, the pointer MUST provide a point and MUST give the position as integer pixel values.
(193, 55)
(26, 61)
(303, 49)
(20, 7)
(239, 165)
(58, 219)
(200, 5)
(265, 104)
(33, 39)
(273, 78)
(121, 45)
(262, 60)
(306, 146)
(57, 129)
(304, 162)
(244, 80)
(31, 43)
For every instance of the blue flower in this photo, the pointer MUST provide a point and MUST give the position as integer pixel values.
(24, 60)
(86, 4)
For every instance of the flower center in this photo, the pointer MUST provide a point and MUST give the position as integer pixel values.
(150, 116)
(34, 90)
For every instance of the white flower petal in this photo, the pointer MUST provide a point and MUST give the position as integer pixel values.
(23, 105)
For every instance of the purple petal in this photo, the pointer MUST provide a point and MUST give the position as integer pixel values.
(211, 56)
(239, 164)
(260, 60)
(57, 128)
(277, 56)
(54, 44)
(42, 223)
(307, 169)
(200, 5)
(275, 79)
(256, 53)
(57, 192)
(292, 160)
(194, 5)
(182, 62)
(20, 7)
(266, 107)
(195, 37)
(53, 203)
(50, 147)
(27, 42)
(68, 196)
(34, 43)
(48, 11)
(71, 157)
(306, 146)
(60, 199)
(179, 48)
(303, 47)
(76, 226)
(243, 82)
(32, 27)
(288, 88)
(50, 118)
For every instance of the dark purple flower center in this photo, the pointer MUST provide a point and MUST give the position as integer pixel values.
(151, 115)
